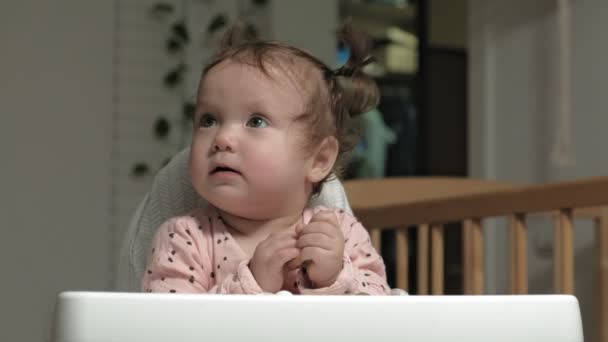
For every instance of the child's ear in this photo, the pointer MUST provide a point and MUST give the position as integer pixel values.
(323, 160)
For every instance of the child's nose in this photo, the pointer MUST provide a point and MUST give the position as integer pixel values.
(225, 140)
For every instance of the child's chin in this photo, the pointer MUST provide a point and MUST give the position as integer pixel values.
(249, 211)
(233, 205)
(244, 205)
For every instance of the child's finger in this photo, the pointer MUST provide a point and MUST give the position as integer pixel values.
(276, 242)
(294, 263)
(283, 235)
(321, 227)
(325, 216)
(312, 255)
(284, 241)
(319, 240)
(286, 255)
(299, 226)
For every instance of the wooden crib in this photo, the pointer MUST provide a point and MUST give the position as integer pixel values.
(427, 204)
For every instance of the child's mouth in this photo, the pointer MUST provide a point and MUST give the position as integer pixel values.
(222, 169)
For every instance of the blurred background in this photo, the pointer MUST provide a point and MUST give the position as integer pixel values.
(96, 97)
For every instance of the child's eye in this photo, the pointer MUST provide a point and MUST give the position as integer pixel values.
(257, 122)
(207, 120)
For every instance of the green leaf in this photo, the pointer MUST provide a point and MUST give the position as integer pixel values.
(260, 3)
(218, 22)
(174, 45)
(181, 32)
(140, 169)
(161, 10)
(173, 78)
(162, 128)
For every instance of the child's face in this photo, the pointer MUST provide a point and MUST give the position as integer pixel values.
(247, 155)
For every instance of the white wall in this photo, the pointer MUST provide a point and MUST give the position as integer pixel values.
(55, 104)
(310, 25)
(513, 56)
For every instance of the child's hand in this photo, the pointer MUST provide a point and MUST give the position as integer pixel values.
(269, 259)
(322, 248)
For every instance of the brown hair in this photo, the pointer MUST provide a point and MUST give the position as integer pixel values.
(336, 98)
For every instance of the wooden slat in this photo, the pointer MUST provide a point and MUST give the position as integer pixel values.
(568, 252)
(601, 237)
(402, 258)
(376, 238)
(423, 259)
(563, 265)
(477, 286)
(427, 203)
(512, 255)
(437, 254)
(557, 256)
(467, 258)
(518, 254)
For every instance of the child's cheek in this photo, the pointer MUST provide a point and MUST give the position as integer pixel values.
(266, 167)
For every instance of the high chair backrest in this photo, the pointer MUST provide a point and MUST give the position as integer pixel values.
(427, 204)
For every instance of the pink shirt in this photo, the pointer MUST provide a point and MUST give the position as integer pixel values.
(197, 254)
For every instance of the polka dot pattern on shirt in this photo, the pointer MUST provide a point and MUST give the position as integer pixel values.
(196, 255)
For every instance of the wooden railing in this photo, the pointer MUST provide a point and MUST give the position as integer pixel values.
(427, 204)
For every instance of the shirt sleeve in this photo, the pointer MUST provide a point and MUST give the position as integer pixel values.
(364, 270)
(180, 261)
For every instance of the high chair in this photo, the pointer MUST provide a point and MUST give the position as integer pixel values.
(396, 204)
(427, 204)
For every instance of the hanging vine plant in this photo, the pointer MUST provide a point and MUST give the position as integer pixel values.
(177, 42)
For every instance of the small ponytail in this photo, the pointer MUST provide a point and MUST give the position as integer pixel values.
(352, 94)
(356, 92)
